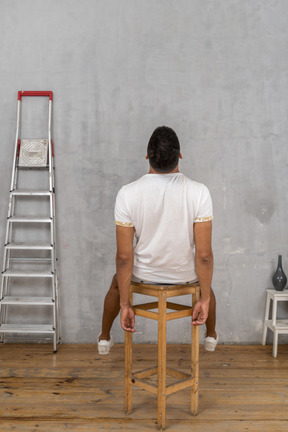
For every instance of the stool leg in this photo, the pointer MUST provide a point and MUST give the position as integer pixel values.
(128, 373)
(128, 367)
(195, 363)
(162, 360)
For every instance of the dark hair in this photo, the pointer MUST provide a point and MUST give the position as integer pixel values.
(163, 149)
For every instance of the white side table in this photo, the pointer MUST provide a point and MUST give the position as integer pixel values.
(277, 326)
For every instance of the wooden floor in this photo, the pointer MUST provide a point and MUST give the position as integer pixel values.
(242, 388)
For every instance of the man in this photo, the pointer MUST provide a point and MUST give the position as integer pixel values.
(170, 216)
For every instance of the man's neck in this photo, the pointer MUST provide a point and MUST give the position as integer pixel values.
(152, 171)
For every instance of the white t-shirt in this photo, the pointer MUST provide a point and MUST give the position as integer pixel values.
(163, 208)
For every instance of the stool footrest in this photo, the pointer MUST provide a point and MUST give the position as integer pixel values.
(144, 385)
(181, 385)
(186, 380)
(154, 305)
(145, 373)
(146, 306)
(145, 313)
(178, 306)
(179, 314)
(169, 316)
(177, 374)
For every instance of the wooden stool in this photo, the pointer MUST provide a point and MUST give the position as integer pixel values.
(162, 292)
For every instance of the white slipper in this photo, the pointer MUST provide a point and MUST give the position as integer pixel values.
(104, 345)
(210, 343)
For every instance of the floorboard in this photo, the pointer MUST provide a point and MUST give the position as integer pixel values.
(242, 388)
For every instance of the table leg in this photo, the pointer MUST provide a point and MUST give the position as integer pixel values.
(266, 317)
(274, 312)
(275, 343)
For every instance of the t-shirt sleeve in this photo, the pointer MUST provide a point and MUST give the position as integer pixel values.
(121, 213)
(205, 209)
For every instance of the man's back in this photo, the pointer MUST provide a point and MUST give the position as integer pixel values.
(168, 213)
(163, 208)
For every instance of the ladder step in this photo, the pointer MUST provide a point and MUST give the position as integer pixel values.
(26, 246)
(29, 219)
(24, 328)
(10, 300)
(27, 273)
(26, 192)
(34, 168)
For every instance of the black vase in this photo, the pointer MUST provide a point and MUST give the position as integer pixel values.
(279, 278)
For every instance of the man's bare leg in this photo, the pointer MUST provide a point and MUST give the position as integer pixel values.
(111, 309)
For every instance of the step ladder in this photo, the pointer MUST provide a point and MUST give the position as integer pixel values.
(29, 287)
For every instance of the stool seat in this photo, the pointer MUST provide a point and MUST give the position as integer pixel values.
(146, 310)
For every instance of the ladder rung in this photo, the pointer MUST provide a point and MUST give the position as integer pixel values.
(27, 273)
(24, 328)
(10, 300)
(30, 260)
(29, 219)
(23, 192)
(36, 168)
(26, 246)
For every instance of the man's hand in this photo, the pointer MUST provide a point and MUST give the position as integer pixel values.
(127, 319)
(200, 312)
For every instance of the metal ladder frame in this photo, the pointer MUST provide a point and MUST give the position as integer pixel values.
(5, 300)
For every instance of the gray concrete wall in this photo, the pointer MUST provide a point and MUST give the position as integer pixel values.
(215, 71)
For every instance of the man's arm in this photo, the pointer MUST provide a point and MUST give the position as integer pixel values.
(204, 269)
(124, 269)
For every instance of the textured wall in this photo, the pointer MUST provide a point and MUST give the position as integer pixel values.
(215, 71)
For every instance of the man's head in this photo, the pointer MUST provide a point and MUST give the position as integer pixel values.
(163, 150)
